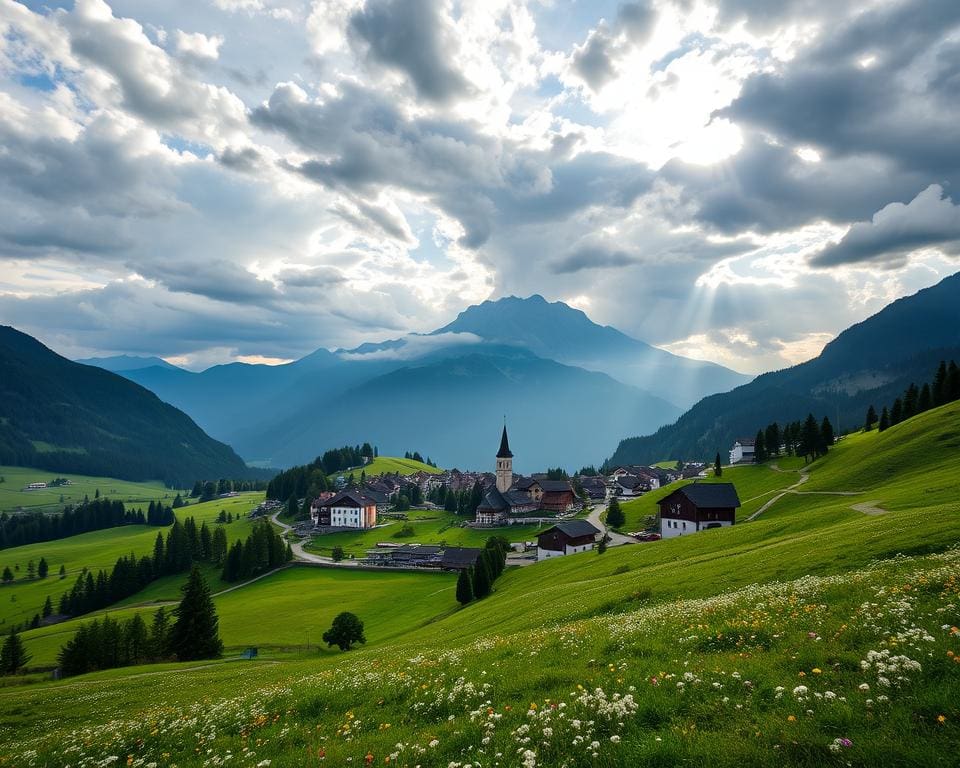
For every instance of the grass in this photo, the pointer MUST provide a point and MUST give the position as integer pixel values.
(429, 528)
(301, 602)
(755, 484)
(751, 645)
(390, 465)
(23, 598)
(13, 497)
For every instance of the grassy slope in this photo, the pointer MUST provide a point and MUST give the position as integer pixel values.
(16, 478)
(755, 485)
(589, 621)
(429, 528)
(20, 600)
(390, 465)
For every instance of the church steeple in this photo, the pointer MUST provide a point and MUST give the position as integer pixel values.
(504, 452)
(504, 464)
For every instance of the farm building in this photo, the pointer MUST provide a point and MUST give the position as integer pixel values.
(698, 507)
(566, 538)
(347, 509)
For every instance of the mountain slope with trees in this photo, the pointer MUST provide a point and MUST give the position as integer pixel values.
(871, 363)
(60, 415)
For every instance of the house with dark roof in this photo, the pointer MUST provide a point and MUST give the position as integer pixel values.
(496, 506)
(459, 558)
(566, 538)
(698, 507)
(348, 509)
(595, 487)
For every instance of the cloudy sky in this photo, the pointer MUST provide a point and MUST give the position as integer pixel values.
(208, 180)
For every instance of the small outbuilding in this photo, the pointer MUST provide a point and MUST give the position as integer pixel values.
(566, 538)
(698, 507)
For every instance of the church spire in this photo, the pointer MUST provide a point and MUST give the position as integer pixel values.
(504, 452)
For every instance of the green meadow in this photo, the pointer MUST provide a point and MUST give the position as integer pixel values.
(23, 598)
(16, 479)
(440, 528)
(818, 634)
(391, 465)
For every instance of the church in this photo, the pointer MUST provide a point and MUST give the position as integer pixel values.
(506, 500)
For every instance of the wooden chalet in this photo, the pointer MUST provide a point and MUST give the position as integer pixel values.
(566, 538)
(698, 507)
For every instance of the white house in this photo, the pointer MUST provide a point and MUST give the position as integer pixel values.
(742, 451)
(348, 509)
(566, 538)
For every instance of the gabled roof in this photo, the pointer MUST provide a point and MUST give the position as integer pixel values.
(353, 499)
(710, 495)
(574, 528)
(747, 442)
(504, 452)
(459, 557)
(492, 501)
(525, 483)
(555, 486)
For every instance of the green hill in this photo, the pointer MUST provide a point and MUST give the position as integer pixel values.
(390, 465)
(65, 417)
(822, 633)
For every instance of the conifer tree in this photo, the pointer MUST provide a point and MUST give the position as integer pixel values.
(218, 546)
(870, 420)
(910, 401)
(772, 439)
(826, 435)
(63, 571)
(7, 574)
(952, 386)
(925, 401)
(206, 542)
(47, 607)
(195, 633)
(159, 559)
(159, 634)
(717, 467)
(615, 516)
(13, 656)
(481, 577)
(759, 448)
(884, 424)
(464, 587)
(896, 412)
(43, 568)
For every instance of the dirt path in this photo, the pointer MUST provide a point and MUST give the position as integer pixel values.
(307, 557)
(870, 508)
(791, 489)
(616, 539)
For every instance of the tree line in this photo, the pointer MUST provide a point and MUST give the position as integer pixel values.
(944, 389)
(204, 490)
(463, 502)
(416, 456)
(185, 544)
(107, 643)
(32, 527)
(263, 551)
(808, 438)
(476, 582)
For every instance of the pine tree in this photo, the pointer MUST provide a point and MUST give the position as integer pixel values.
(43, 568)
(602, 546)
(952, 387)
(63, 571)
(884, 423)
(481, 578)
(206, 543)
(759, 448)
(195, 634)
(615, 516)
(218, 546)
(826, 435)
(464, 587)
(13, 656)
(47, 607)
(870, 420)
(925, 401)
(772, 439)
(159, 634)
(7, 574)
(809, 438)
(896, 412)
(910, 401)
(159, 560)
(717, 467)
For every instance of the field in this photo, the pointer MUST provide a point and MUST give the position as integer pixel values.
(301, 601)
(21, 599)
(755, 484)
(819, 634)
(15, 479)
(429, 528)
(390, 465)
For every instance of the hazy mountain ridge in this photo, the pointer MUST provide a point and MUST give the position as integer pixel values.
(901, 343)
(287, 413)
(70, 417)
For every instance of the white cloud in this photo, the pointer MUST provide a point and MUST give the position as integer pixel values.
(197, 46)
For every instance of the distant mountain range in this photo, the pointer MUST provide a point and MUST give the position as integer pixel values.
(568, 387)
(68, 417)
(119, 363)
(870, 363)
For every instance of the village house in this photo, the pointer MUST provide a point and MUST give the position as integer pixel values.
(742, 451)
(566, 538)
(594, 486)
(347, 509)
(698, 507)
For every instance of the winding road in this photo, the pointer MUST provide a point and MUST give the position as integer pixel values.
(307, 557)
(616, 539)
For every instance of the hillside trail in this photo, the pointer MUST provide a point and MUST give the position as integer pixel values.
(804, 476)
(616, 539)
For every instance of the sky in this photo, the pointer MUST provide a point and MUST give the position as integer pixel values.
(216, 180)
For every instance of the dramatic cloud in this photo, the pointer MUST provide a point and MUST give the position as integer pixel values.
(256, 178)
(930, 219)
